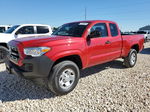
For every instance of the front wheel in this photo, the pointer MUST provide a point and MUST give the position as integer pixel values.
(131, 59)
(3, 54)
(63, 77)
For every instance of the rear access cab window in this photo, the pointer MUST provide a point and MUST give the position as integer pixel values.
(42, 29)
(113, 29)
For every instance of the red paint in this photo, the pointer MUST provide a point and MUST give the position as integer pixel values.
(91, 53)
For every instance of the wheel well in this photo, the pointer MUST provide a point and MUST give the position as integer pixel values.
(4, 45)
(75, 58)
(136, 47)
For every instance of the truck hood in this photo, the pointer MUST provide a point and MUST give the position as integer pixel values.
(5, 37)
(37, 41)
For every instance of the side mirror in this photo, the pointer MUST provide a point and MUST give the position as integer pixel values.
(94, 33)
(16, 33)
(88, 37)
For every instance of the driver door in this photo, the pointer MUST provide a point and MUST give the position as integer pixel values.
(98, 45)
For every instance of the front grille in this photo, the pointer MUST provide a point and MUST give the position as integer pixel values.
(13, 53)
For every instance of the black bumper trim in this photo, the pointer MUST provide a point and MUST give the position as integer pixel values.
(41, 67)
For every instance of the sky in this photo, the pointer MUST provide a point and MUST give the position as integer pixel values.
(129, 14)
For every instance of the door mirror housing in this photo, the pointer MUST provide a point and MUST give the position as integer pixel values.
(88, 38)
(93, 34)
(16, 33)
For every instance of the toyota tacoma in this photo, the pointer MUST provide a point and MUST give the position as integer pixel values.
(57, 59)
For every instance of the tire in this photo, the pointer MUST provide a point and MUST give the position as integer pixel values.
(63, 77)
(148, 39)
(145, 40)
(131, 59)
(3, 54)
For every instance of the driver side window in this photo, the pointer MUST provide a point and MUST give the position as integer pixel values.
(26, 30)
(99, 30)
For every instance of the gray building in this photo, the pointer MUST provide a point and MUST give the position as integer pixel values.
(145, 28)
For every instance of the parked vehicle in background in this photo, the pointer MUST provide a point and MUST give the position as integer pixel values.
(54, 29)
(128, 33)
(20, 31)
(74, 46)
(146, 34)
(3, 28)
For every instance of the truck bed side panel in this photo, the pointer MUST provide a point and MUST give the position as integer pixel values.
(129, 41)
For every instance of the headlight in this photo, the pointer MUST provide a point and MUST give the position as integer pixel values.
(36, 51)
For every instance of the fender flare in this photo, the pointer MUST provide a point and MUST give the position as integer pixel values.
(66, 53)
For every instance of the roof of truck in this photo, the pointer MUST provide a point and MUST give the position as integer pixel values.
(95, 21)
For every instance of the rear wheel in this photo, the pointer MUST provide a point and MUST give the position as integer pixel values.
(131, 59)
(3, 54)
(64, 77)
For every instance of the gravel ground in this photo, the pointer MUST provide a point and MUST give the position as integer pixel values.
(108, 87)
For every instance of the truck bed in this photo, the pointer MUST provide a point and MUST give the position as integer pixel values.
(131, 39)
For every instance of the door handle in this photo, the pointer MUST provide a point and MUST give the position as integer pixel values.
(107, 42)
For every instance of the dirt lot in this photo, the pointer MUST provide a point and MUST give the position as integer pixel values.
(104, 88)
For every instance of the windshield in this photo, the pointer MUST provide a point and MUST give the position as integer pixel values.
(71, 29)
(141, 32)
(10, 30)
(2, 29)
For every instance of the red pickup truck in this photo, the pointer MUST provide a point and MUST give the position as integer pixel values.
(58, 59)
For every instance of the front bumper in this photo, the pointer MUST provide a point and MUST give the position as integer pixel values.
(38, 67)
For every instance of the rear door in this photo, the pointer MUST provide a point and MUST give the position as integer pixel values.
(115, 41)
